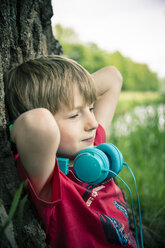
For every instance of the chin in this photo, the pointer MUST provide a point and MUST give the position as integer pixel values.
(90, 146)
(72, 156)
(67, 155)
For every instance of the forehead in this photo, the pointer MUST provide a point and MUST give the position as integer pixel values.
(75, 94)
(78, 101)
(77, 97)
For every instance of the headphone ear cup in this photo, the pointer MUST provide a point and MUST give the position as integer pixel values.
(115, 157)
(91, 166)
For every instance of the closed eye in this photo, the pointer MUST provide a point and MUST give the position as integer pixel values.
(73, 116)
(91, 109)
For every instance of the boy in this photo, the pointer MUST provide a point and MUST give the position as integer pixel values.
(60, 109)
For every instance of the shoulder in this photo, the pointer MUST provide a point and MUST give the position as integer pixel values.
(100, 135)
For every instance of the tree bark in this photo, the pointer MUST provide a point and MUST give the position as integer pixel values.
(25, 33)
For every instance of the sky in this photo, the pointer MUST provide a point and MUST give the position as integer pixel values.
(136, 28)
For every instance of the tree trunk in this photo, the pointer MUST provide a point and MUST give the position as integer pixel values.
(25, 33)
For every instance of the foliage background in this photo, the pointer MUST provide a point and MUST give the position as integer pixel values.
(136, 76)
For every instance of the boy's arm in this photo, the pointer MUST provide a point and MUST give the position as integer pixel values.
(37, 137)
(108, 83)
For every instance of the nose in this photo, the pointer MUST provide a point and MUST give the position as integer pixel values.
(90, 122)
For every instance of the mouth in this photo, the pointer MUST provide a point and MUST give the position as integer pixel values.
(89, 140)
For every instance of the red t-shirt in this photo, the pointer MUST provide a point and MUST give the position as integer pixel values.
(82, 215)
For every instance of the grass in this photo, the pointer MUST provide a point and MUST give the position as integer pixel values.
(143, 150)
(130, 99)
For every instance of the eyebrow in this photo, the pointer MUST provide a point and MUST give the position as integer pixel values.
(81, 106)
(78, 107)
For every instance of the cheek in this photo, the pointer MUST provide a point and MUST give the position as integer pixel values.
(68, 144)
(67, 135)
(66, 138)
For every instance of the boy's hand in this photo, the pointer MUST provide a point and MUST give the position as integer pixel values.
(37, 137)
(108, 83)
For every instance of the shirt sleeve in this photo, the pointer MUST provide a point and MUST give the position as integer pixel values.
(54, 181)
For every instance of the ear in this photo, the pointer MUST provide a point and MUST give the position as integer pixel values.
(115, 157)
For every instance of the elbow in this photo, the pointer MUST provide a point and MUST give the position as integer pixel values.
(36, 125)
(115, 73)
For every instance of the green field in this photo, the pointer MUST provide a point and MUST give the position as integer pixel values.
(131, 99)
(138, 130)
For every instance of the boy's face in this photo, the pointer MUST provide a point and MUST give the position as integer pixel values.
(77, 127)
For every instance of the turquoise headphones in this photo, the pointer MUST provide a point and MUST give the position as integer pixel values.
(94, 165)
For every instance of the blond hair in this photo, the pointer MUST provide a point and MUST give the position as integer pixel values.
(46, 82)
